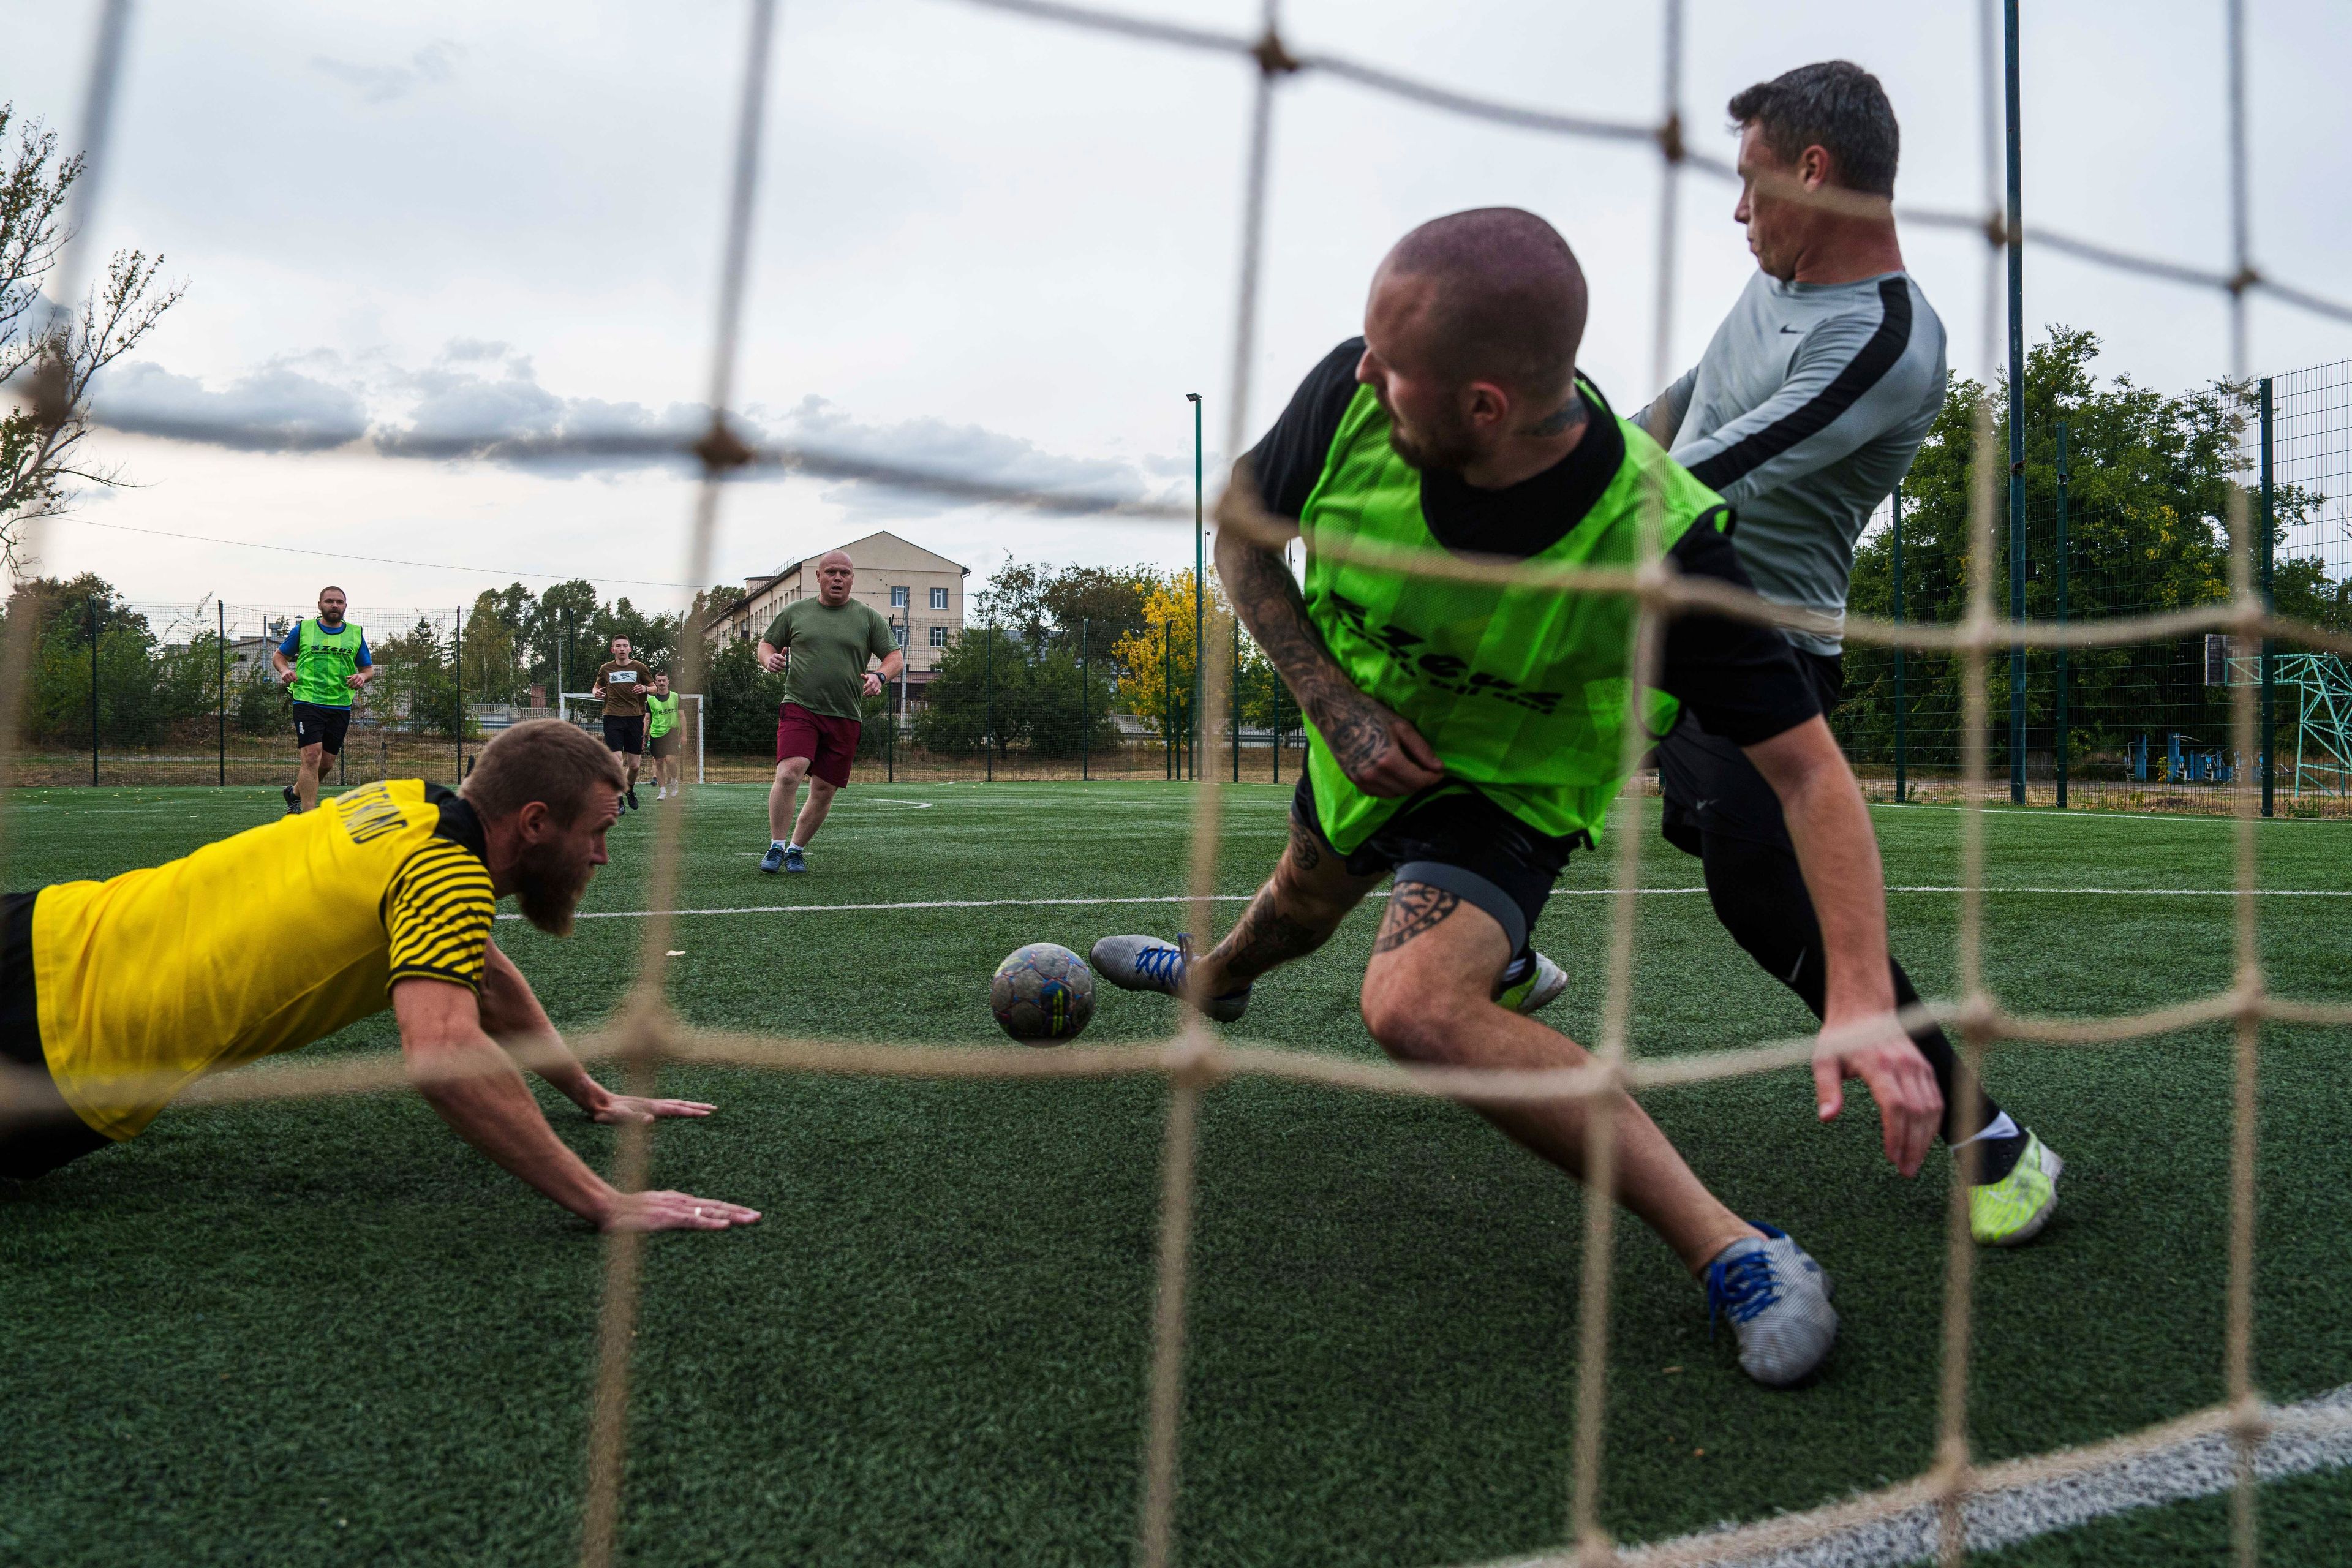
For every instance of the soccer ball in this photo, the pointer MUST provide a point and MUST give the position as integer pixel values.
(1043, 995)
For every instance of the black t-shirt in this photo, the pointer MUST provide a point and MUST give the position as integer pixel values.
(1742, 679)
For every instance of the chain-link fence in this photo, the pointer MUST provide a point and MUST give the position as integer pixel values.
(2126, 501)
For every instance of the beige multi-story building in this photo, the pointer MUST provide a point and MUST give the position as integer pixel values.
(918, 590)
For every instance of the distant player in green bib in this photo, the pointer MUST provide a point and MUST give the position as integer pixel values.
(325, 661)
(661, 737)
(1465, 738)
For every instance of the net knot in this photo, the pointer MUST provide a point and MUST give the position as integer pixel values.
(2251, 1421)
(1670, 146)
(720, 449)
(51, 388)
(1996, 227)
(2245, 277)
(1192, 1060)
(1272, 58)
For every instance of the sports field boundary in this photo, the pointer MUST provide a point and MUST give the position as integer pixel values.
(1558, 893)
(2313, 1434)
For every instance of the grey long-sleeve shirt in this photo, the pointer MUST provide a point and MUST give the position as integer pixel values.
(1804, 414)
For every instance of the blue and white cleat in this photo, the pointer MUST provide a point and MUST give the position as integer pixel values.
(795, 857)
(774, 860)
(1778, 1299)
(1148, 964)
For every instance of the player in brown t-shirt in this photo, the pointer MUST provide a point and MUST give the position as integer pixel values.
(622, 681)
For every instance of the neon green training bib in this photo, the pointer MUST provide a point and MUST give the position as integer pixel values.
(1523, 692)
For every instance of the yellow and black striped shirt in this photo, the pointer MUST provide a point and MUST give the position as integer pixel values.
(257, 944)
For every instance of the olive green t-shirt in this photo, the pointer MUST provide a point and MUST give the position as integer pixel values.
(829, 644)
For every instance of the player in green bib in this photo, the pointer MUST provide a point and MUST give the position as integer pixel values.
(1465, 738)
(325, 661)
(661, 737)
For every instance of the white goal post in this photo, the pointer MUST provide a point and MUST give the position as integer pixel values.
(584, 708)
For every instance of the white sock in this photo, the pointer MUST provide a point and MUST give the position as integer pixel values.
(1999, 1127)
(778, 843)
(794, 846)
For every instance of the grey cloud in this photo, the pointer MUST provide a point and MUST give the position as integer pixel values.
(437, 62)
(967, 452)
(484, 401)
(275, 409)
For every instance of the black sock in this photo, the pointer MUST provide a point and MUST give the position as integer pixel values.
(1758, 894)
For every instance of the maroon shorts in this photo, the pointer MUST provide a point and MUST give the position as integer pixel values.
(828, 743)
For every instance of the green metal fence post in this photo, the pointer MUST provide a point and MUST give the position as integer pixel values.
(93, 691)
(221, 648)
(1085, 707)
(2016, 415)
(988, 688)
(2062, 742)
(1235, 685)
(457, 671)
(1275, 676)
(1200, 564)
(1900, 703)
(1167, 706)
(2270, 649)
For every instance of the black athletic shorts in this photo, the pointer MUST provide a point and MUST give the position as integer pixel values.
(663, 745)
(626, 734)
(1709, 784)
(315, 725)
(38, 1132)
(1453, 837)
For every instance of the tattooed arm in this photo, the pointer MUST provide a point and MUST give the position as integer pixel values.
(1381, 753)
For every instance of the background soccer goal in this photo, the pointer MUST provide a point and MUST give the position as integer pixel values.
(580, 708)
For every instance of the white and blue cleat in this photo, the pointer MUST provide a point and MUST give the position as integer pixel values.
(1148, 964)
(1778, 1299)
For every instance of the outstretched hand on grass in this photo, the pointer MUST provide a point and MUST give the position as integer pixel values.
(614, 1109)
(673, 1211)
(1909, 1102)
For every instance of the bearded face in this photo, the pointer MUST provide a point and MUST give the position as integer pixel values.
(1445, 444)
(548, 879)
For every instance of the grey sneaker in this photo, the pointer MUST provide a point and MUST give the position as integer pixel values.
(795, 857)
(1778, 1299)
(774, 860)
(1148, 964)
(1538, 988)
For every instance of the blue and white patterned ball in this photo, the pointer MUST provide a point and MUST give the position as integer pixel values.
(1043, 995)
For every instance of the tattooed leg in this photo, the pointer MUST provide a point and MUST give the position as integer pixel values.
(1427, 998)
(1295, 913)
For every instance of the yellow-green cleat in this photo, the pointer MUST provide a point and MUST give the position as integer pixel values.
(2012, 1211)
(1538, 988)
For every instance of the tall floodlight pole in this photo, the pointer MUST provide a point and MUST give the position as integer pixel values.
(2016, 420)
(1200, 564)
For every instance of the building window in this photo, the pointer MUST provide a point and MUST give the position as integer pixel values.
(899, 598)
(939, 598)
(899, 632)
(938, 634)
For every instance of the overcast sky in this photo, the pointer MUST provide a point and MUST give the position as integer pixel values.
(1000, 247)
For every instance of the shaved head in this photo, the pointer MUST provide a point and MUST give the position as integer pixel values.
(836, 576)
(1491, 294)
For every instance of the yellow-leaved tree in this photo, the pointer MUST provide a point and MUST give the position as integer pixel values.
(1160, 659)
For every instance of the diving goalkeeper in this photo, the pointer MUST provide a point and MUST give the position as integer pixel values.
(115, 995)
(1466, 737)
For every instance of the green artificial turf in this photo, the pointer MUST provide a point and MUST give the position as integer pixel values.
(329, 1333)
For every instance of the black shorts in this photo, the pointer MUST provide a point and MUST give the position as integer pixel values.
(662, 745)
(38, 1130)
(1709, 784)
(316, 724)
(1454, 838)
(625, 734)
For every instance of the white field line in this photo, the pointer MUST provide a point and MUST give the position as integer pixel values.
(1245, 897)
(2199, 1467)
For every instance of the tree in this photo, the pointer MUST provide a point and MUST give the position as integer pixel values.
(49, 354)
(989, 686)
(2151, 484)
(1046, 608)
